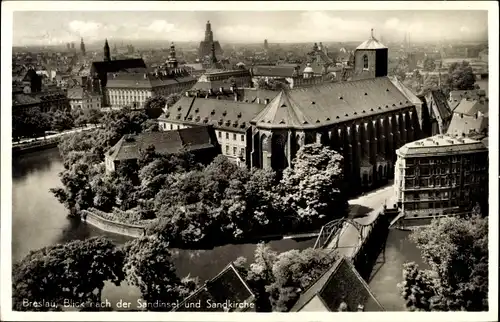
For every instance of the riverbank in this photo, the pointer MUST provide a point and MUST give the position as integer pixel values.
(43, 143)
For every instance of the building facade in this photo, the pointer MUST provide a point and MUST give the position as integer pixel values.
(440, 175)
(80, 97)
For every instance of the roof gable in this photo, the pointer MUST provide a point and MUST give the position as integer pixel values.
(341, 283)
(282, 111)
(227, 285)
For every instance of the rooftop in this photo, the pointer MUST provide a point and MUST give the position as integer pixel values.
(226, 114)
(227, 285)
(175, 141)
(441, 145)
(340, 284)
(331, 103)
(371, 43)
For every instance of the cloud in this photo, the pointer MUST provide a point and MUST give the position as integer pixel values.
(464, 30)
(161, 26)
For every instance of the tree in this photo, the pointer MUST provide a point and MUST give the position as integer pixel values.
(461, 76)
(61, 120)
(148, 266)
(75, 271)
(313, 186)
(456, 249)
(279, 279)
(431, 83)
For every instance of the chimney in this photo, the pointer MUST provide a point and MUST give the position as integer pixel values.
(235, 97)
(145, 76)
(221, 89)
(187, 94)
(266, 101)
(231, 89)
(258, 100)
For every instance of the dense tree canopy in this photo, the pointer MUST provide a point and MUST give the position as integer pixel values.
(461, 76)
(75, 271)
(456, 249)
(148, 266)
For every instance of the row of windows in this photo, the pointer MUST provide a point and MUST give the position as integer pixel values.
(242, 136)
(430, 205)
(235, 151)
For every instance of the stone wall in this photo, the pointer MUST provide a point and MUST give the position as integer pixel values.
(92, 218)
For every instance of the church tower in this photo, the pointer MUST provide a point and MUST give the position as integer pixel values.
(209, 35)
(172, 60)
(213, 58)
(107, 55)
(370, 59)
(82, 47)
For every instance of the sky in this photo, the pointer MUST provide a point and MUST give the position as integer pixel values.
(54, 28)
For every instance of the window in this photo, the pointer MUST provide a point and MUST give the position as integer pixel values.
(234, 136)
(171, 127)
(365, 62)
(243, 152)
(227, 136)
(242, 138)
(235, 150)
(219, 134)
(227, 148)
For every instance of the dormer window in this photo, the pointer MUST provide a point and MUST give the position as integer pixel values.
(365, 62)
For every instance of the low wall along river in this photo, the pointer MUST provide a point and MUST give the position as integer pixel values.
(112, 226)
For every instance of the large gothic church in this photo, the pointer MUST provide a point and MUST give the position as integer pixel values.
(365, 119)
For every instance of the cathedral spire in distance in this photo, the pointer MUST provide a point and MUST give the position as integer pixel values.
(213, 58)
(82, 47)
(107, 55)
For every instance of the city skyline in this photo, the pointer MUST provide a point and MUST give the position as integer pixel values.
(53, 28)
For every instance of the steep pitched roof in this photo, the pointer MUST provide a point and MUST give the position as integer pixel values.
(471, 107)
(75, 93)
(331, 103)
(441, 107)
(225, 114)
(341, 283)
(282, 111)
(371, 43)
(465, 124)
(190, 139)
(227, 285)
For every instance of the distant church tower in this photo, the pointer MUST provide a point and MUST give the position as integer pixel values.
(107, 55)
(213, 58)
(209, 35)
(172, 60)
(82, 47)
(370, 59)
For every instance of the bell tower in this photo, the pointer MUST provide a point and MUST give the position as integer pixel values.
(370, 59)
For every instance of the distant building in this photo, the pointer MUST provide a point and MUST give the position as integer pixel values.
(223, 79)
(200, 141)
(205, 48)
(266, 45)
(132, 88)
(440, 175)
(82, 48)
(228, 285)
(470, 118)
(436, 113)
(32, 80)
(341, 288)
(80, 97)
(483, 55)
(45, 101)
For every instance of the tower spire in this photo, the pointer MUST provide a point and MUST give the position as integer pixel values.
(213, 58)
(107, 55)
(372, 34)
(82, 47)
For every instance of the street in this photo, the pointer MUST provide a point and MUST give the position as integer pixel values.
(51, 136)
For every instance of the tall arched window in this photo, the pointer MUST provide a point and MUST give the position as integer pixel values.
(365, 61)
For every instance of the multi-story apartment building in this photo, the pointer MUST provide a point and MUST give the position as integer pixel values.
(440, 175)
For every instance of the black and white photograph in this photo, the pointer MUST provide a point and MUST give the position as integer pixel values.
(249, 157)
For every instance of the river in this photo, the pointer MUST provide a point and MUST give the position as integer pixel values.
(39, 220)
